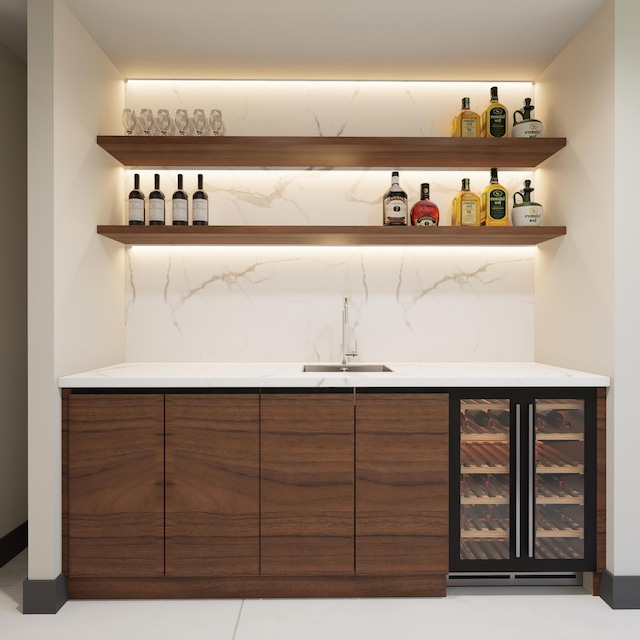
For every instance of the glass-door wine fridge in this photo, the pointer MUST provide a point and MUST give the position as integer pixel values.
(525, 462)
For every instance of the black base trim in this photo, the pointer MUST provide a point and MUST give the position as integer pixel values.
(13, 543)
(45, 596)
(620, 592)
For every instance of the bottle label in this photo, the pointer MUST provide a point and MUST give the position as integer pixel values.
(179, 210)
(200, 210)
(497, 205)
(425, 221)
(136, 210)
(469, 213)
(497, 122)
(468, 127)
(395, 210)
(156, 210)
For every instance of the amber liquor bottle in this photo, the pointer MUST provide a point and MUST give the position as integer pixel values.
(425, 213)
(494, 203)
(465, 208)
(466, 123)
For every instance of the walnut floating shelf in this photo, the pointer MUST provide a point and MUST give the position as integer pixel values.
(350, 152)
(337, 236)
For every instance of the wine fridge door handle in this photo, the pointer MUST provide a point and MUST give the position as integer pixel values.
(517, 505)
(532, 445)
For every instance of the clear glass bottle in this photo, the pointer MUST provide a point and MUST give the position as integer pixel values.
(395, 206)
(466, 123)
(425, 213)
(495, 118)
(465, 207)
(494, 203)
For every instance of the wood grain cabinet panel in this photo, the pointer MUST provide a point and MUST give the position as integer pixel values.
(307, 483)
(402, 470)
(212, 484)
(115, 485)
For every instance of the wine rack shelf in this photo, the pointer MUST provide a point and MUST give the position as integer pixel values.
(330, 236)
(317, 151)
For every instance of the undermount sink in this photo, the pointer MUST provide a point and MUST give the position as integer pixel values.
(346, 368)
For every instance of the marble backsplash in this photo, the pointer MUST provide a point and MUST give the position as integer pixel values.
(266, 303)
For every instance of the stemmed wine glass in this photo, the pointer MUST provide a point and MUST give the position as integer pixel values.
(146, 121)
(199, 121)
(216, 123)
(129, 120)
(182, 121)
(163, 121)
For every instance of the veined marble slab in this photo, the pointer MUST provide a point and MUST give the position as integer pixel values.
(290, 374)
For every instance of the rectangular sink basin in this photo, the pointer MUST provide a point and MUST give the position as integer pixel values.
(346, 368)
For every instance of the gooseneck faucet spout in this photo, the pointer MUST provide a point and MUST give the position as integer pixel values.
(345, 319)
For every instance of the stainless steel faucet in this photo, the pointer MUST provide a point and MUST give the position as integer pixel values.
(345, 320)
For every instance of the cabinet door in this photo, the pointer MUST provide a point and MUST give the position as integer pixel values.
(212, 484)
(401, 483)
(307, 453)
(116, 485)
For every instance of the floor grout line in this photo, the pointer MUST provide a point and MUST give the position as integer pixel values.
(235, 630)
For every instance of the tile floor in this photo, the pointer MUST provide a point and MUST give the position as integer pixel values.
(466, 613)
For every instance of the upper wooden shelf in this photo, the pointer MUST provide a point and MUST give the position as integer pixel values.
(337, 236)
(352, 152)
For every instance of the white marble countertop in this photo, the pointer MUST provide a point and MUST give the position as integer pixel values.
(290, 374)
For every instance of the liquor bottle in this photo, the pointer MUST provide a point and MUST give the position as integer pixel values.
(494, 203)
(156, 203)
(200, 205)
(136, 202)
(180, 205)
(425, 213)
(466, 123)
(395, 206)
(494, 118)
(465, 207)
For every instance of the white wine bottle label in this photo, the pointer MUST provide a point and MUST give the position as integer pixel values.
(180, 210)
(396, 210)
(468, 127)
(156, 210)
(200, 210)
(469, 213)
(136, 210)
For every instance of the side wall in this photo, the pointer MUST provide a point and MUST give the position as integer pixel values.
(76, 300)
(13, 293)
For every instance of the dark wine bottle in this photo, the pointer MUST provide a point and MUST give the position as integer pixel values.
(180, 205)
(156, 203)
(136, 202)
(200, 205)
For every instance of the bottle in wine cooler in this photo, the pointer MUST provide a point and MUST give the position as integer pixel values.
(200, 205)
(156, 203)
(395, 208)
(136, 202)
(180, 205)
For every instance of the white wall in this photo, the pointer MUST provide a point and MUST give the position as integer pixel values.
(75, 277)
(13, 292)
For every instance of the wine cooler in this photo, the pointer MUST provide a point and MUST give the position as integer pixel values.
(525, 464)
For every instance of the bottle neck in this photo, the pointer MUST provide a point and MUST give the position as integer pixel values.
(180, 181)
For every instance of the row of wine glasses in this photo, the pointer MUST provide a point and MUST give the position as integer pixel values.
(147, 123)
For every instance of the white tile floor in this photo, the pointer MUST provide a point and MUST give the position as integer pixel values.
(466, 613)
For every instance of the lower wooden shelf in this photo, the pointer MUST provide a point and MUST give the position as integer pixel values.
(332, 236)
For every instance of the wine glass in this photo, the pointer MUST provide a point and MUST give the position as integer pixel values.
(163, 121)
(199, 121)
(146, 121)
(129, 120)
(182, 121)
(216, 123)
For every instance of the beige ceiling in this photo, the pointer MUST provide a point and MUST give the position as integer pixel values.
(330, 39)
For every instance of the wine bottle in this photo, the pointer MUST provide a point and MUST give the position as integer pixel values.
(395, 206)
(465, 207)
(200, 205)
(494, 203)
(180, 205)
(466, 123)
(136, 202)
(156, 203)
(494, 118)
(425, 213)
